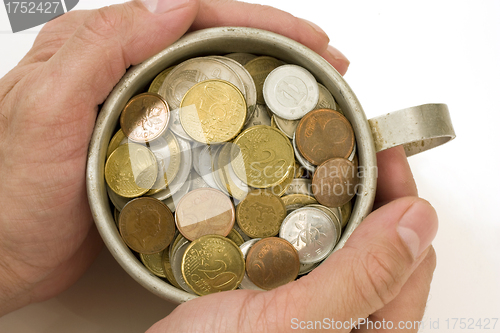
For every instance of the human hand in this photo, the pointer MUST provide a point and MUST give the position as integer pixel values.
(48, 107)
(383, 273)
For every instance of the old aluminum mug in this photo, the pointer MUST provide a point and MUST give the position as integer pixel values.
(417, 128)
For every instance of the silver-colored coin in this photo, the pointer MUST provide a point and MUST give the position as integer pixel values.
(174, 244)
(241, 57)
(246, 283)
(164, 157)
(182, 175)
(259, 117)
(291, 91)
(305, 163)
(176, 264)
(326, 100)
(333, 213)
(248, 83)
(311, 231)
(306, 268)
(172, 201)
(197, 182)
(300, 186)
(205, 165)
(196, 149)
(176, 127)
(288, 127)
(192, 71)
(118, 201)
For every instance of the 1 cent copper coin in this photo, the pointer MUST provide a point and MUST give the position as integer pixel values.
(205, 211)
(334, 182)
(324, 134)
(145, 117)
(272, 262)
(146, 225)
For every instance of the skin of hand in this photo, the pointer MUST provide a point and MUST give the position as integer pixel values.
(48, 107)
(382, 274)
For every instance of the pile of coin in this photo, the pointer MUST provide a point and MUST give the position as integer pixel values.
(232, 171)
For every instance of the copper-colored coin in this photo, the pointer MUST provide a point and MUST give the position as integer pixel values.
(205, 211)
(272, 262)
(147, 225)
(324, 134)
(260, 214)
(145, 117)
(334, 182)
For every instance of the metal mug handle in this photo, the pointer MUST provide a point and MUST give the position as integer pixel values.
(418, 128)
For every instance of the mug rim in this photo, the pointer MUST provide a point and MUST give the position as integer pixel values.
(221, 40)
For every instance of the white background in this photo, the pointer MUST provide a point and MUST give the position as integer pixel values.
(402, 54)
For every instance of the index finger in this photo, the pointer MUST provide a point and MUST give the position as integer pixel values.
(395, 179)
(213, 13)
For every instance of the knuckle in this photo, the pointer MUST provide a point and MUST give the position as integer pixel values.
(382, 272)
(103, 22)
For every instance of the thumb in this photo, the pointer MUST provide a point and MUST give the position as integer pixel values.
(111, 39)
(373, 266)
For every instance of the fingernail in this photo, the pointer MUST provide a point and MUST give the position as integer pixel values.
(337, 59)
(336, 54)
(162, 6)
(418, 227)
(316, 27)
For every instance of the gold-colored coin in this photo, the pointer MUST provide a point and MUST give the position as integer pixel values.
(177, 238)
(118, 139)
(167, 268)
(154, 263)
(147, 225)
(300, 171)
(273, 123)
(259, 68)
(213, 111)
(116, 216)
(345, 212)
(131, 170)
(234, 186)
(158, 80)
(262, 156)
(235, 237)
(295, 201)
(145, 117)
(168, 155)
(281, 188)
(212, 264)
(272, 262)
(260, 214)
